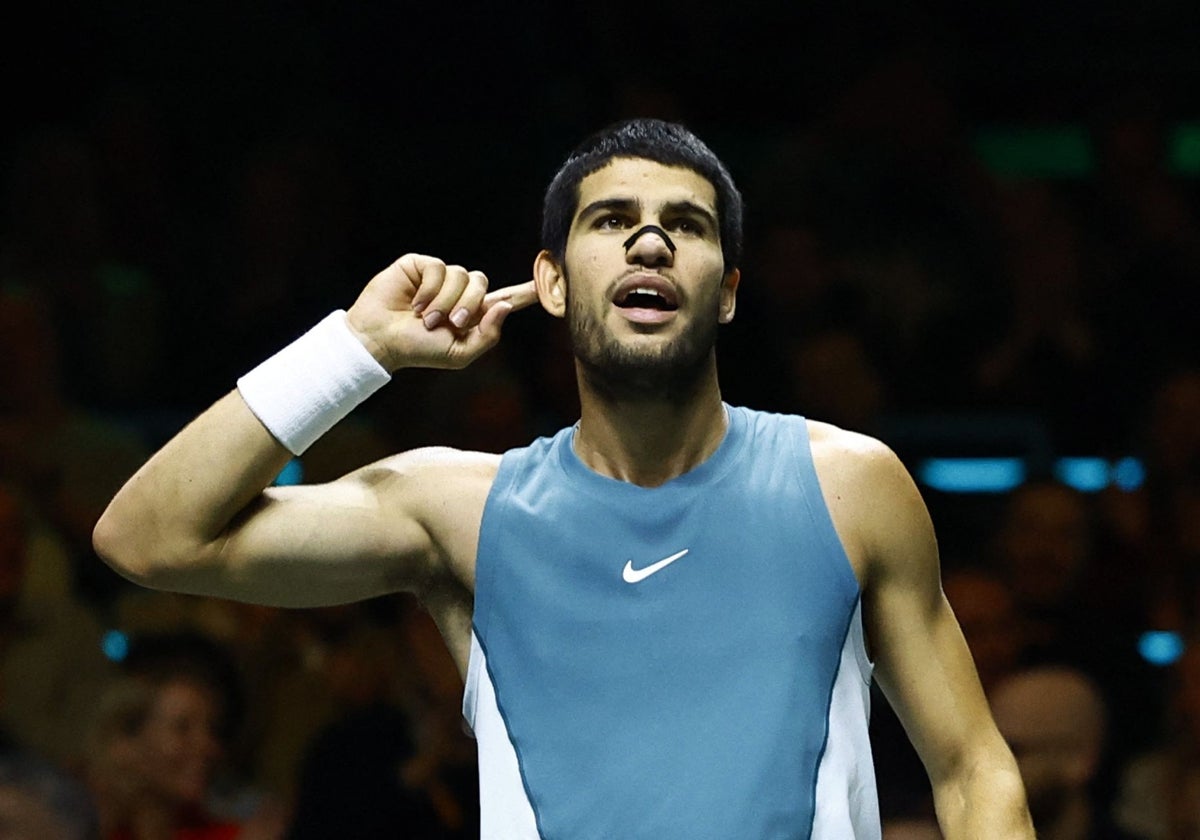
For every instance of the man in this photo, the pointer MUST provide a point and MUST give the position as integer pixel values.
(1054, 718)
(40, 800)
(661, 612)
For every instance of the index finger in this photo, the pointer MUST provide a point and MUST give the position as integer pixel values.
(520, 295)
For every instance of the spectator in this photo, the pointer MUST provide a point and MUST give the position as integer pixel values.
(832, 376)
(1159, 797)
(385, 759)
(1046, 357)
(1045, 548)
(65, 457)
(51, 661)
(986, 612)
(1044, 545)
(159, 734)
(1054, 719)
(40, 801)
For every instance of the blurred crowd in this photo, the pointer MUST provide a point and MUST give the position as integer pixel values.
(893, 282)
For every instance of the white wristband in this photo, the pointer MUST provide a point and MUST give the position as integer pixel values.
(308, 386)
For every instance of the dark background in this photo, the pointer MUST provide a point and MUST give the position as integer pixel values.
(188, 186)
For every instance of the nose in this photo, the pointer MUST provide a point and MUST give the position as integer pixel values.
(650, 246)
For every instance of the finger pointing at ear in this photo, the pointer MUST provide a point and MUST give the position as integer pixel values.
(520, 296)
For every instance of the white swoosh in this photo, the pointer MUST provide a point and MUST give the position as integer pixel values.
(632, 575)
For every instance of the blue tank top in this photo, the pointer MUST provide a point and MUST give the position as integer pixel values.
(662, 662)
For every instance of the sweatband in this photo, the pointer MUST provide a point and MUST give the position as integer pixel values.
(308, 386)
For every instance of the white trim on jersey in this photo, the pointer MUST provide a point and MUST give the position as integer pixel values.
(847, 804)
(504, 808)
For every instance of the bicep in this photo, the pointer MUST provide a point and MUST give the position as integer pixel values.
(401, 524)
(318, 545)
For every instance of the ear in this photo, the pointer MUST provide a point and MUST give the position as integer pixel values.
(551, 284)
(729, 287)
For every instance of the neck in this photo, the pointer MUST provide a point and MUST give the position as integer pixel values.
(649, 441)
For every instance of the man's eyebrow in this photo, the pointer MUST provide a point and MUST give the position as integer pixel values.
(622, 204)
(626, 205)
(691, 208)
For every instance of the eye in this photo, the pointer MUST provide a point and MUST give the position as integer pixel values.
(687, 225)
(611, 222)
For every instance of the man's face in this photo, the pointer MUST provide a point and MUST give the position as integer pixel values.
(643, 318)
(179, 746)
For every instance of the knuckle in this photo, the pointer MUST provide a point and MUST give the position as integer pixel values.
(432, 266)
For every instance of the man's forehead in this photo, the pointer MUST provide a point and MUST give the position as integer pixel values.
(647, 182)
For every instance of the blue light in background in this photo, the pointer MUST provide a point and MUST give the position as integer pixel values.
(1129, 474)
(115, 645)
(972, 475)
(1002, 474)
(1160, 647)
(292, 473)
(1088, 475)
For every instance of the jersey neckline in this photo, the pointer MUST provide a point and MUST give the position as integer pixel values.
(708, 470)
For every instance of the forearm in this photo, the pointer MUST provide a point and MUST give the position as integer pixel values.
(185, 498)
(984, 800)
(195, 517)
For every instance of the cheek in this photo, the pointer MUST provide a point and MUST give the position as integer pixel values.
(169, 749)
(160, 754)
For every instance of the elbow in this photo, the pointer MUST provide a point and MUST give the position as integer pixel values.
(114, 543)
(129, 548)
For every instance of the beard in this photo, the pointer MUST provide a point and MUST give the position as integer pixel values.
(619, 372)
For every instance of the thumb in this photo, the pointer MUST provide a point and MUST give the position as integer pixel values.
(493, 320)
(486, 334)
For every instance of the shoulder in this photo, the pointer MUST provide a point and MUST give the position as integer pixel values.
(874, 502)
(434, 465)
(442, 490)
(853, 461)
(427, 484)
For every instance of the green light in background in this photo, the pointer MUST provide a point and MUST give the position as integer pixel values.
(1183, 152)
(1036, 152)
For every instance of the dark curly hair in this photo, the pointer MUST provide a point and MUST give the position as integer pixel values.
(662, 142)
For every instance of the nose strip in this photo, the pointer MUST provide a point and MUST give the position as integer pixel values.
(650, 229)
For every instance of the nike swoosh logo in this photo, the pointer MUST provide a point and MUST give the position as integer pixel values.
(632, 575)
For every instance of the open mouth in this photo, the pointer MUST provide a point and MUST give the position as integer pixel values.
(645, 299)
(647, 293)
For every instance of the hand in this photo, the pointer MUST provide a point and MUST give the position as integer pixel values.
(420, 312)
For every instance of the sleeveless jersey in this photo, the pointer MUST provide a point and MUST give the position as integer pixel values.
(684, 661)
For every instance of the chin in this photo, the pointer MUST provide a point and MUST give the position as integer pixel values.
(645, 376)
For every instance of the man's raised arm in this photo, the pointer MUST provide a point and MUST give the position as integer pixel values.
(200, 516)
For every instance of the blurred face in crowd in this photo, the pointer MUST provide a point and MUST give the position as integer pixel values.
(24, 816)
(1053, 719)
(1175, 424)
(177, 748)
(1044, 543)
(985, 612)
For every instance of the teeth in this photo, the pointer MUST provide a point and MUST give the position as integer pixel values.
(659, 300)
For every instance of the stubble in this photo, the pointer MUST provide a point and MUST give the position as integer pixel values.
(668, 370)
